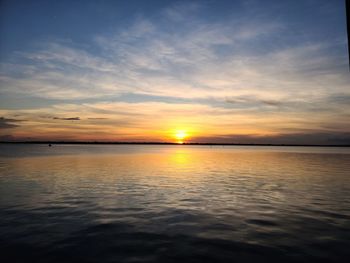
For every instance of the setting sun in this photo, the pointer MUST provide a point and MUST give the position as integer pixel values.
(180, 135)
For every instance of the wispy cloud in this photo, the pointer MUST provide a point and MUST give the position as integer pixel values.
(144, 58)
(67, 119)
(6, 123)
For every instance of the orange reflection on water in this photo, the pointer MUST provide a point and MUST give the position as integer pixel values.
(167, 175)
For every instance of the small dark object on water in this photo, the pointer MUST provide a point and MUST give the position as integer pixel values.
(50, 145)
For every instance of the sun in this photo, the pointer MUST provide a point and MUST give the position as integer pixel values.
(180, 135)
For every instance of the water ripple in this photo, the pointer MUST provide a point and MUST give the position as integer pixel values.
(172, 204)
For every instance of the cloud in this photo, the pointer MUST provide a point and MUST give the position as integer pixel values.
(157, 120)
(180, 11)
(239, 100)
(203, 61)
(67, 119)
(144, 58)
(6, 123)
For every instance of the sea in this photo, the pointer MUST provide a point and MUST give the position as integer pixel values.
(174, 203)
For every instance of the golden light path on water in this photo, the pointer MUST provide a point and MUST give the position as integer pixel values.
(156, 199)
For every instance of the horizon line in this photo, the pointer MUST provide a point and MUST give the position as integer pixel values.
(175, 143)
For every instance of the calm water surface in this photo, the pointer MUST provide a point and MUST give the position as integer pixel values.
(139, 203)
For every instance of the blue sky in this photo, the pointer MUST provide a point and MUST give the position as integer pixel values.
(250, 71)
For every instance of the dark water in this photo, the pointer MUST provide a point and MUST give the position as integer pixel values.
(71, 203)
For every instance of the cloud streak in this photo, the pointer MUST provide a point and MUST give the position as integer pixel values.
(6, 123)
(67, 119)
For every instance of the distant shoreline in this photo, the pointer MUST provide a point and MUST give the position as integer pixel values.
(172, 143)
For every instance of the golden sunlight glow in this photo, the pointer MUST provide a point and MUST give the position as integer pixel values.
(180, 136)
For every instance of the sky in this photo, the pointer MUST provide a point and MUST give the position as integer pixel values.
(175, 71)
